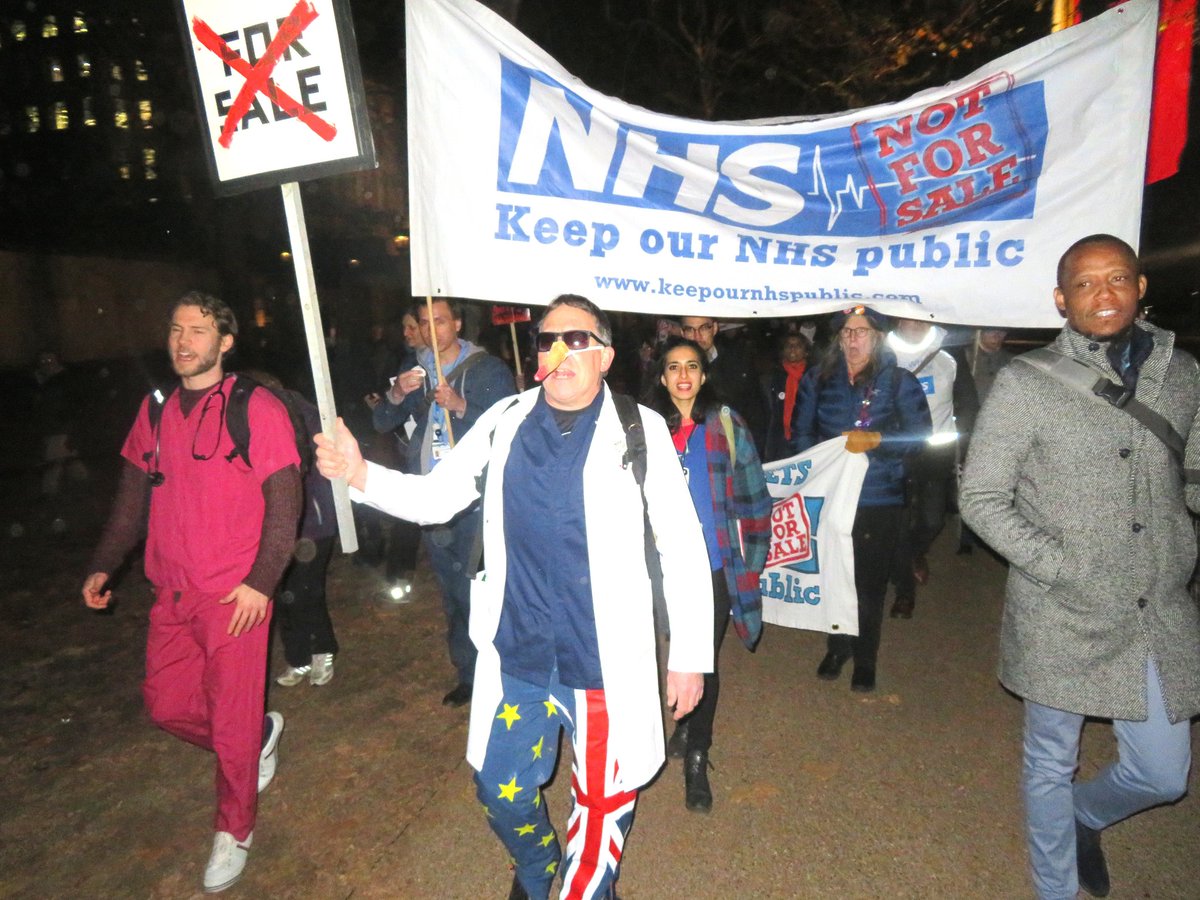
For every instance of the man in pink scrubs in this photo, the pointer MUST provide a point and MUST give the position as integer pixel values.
(221, 531)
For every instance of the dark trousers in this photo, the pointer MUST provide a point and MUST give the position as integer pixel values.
(700, 720)
(875, 531)
(930, 490)
(303, 616)
(403, 544)
(450, 548)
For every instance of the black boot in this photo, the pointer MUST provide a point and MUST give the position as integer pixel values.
(831, 666)
(863, 679)
(677, 745)
(697, 793)
(1089, 857)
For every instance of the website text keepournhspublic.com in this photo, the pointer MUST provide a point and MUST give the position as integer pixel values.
(759, 293)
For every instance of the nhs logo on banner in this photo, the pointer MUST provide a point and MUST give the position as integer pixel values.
(974, 155)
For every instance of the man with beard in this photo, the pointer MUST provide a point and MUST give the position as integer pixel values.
(1088, 504)
(221, 531)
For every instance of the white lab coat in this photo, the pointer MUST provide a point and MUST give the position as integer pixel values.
(620, 584)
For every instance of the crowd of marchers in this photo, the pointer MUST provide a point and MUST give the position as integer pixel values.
(526, 472)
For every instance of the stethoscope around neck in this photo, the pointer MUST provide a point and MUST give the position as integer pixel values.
(155, 475)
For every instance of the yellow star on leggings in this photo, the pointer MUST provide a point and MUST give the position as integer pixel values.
(548, 839)
(509, 791)
(537, 801)
(552, 868)
(523, 830)
(537, 748)
(551, 709)
(509, 715)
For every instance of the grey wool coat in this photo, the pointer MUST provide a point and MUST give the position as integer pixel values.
(1089, 509)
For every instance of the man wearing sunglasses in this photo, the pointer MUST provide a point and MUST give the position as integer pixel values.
(562, 616)
(220, 534)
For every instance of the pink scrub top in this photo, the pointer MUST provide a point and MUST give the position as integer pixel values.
(206, 517)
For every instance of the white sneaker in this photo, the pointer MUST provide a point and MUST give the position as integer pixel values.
(226, 862)
(293, 675)
(267, 758)
(321, 669)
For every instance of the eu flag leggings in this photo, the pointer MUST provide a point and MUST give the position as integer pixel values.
(521, 756)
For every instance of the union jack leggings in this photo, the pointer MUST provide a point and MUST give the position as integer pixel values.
(521, 757)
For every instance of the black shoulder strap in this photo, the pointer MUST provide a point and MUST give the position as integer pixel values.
(237, 417)
(1085, 380)
(155, 401)
(635, 438)
(456, 378)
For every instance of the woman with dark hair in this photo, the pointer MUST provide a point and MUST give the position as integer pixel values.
(858, 390)
(782, 389)
(725, 479)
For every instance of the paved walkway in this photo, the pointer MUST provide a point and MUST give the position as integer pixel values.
(819, 792)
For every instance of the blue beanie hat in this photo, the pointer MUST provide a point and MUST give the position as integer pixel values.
(878, 321)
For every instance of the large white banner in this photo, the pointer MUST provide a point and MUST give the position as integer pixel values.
(953, 205)
(809, 578)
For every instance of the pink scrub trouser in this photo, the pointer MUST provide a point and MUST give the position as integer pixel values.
(208, 688)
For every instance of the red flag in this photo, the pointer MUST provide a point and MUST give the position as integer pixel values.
(1172, 75)
(506, 315)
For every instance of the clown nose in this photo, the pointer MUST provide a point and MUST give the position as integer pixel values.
(555, 356)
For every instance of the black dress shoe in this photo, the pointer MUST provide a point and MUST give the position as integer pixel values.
(697, 793)
(518, 892)
(863, 679)
(1089, 857)
(677, 745)
(460, 696)
(902, 607)
(831, 666)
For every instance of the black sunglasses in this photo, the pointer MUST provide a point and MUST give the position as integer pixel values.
(575, 340)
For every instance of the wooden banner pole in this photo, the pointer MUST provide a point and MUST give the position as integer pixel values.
(306, 287)
(437, 363)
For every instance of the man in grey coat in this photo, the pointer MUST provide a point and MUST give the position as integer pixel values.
(1088, 505)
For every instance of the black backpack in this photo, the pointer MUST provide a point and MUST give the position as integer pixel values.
(237, 419)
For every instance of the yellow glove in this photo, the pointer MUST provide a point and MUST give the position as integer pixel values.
(862, 441)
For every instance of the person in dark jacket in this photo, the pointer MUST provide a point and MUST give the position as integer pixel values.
(732, 374)
(859, 391)
(782, 389)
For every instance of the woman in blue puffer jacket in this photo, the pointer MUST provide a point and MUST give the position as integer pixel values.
(858, 390)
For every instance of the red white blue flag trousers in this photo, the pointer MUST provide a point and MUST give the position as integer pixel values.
(521, 756)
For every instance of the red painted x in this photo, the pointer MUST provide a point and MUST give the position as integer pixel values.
(258, 76)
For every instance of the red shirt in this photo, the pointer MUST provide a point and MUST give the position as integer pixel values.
(206, 517)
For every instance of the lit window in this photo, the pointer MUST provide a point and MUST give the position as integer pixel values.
(123, 171)
(49, 27)
(18, 30)
(56, 74)
(89, 115)
(33, 119)
(62, 119)
(120, 114)
(145, 113)
(80, 24)
(85, 65)
(139, 70)
(117, 74)
(150, 161)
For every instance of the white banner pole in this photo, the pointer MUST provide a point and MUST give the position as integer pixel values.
(306, 286)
